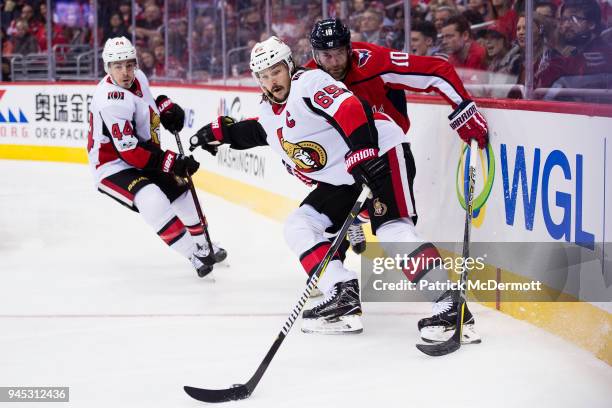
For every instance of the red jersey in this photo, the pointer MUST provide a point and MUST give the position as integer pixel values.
(592, 59)
(380, 76)
(475, 59)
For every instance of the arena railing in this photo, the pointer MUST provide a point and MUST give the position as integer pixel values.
(197, 48)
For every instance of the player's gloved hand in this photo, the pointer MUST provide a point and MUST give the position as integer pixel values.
(212, 135)
(171, 115)
(470, 124)
(179, 164)
(299, 175)
(367, 168)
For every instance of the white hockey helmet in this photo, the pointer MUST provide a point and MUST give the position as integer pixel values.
(118, 49)
(270, 52)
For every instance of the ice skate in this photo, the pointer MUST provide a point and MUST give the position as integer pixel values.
(441, 326)
(202, 260)
(338, 313)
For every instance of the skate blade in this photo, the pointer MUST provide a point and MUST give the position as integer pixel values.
(438, 334)
(209, 278)
(342, 325)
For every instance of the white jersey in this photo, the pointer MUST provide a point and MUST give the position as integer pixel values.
(123, 127)
(310, 131)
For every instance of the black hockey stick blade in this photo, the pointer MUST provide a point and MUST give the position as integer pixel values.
(243, 391)
(235, 393)
(454, 343)
(440, 349)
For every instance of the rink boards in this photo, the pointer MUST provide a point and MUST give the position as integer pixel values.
(543, 179)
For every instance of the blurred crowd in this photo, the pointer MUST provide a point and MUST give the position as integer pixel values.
(484, 39)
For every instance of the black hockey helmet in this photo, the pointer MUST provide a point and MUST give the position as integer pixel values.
(328, 34)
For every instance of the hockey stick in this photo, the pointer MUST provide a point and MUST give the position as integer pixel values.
(196, 202)
(242, 391)
(451, 345)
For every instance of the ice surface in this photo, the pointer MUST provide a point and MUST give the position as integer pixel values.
(90, 298)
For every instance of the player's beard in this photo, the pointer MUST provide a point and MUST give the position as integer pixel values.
(273, 98)
(339, 73)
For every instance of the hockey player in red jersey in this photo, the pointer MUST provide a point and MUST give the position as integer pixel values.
(128, 163)
(323, 131)
(380, 76)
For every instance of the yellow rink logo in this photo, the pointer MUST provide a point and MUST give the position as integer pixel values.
(485, 174)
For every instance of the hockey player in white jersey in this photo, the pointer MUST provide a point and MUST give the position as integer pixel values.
(325, 133)
(128, 163)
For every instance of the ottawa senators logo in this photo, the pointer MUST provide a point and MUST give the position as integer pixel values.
(155, 121)
(380, 208)
(307, 156)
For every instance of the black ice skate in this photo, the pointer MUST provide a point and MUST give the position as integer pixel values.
(202, 260)
(339, 312)
(219, 253)
(356, 237)
(441, 326)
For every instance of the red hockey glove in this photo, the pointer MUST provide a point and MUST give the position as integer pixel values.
(470, 124)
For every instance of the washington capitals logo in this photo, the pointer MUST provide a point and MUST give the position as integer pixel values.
(362, 57)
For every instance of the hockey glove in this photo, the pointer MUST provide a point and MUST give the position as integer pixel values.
(179, 164)
(171, 115)
(470, 124)
(299, 175)
(367, 168)
(212, 135)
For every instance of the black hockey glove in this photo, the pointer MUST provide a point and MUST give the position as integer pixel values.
(212, 135)
(179, 164)
(367, 168)
(171, 115)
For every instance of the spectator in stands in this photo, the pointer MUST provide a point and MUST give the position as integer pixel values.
(586, 60)
(115, 28)
(441, 16)
(41, 13)
(148, 24)
(505, 16)
(545, 14)
(6, 65)
(356, 36)
(208, 50)
(371, 25)
(496, 44)
(174, 69)
(177, 40)
(473, 17)
(146, 62)
(22, 42)
(545, 58)
(479, 6)
(458, 44)
(11, 10)
(302, 52)
(545, 9)
(423, 39)
(251, 26)
(359, 7)
(356, 10)
(125, 10)
(27, 16)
